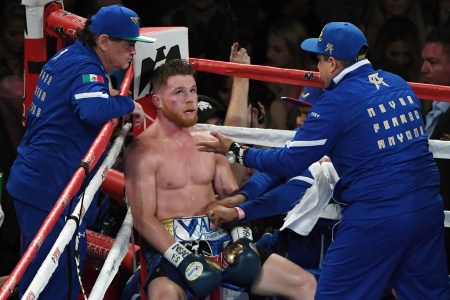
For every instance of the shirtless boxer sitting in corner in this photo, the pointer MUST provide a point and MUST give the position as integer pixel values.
(168, 182)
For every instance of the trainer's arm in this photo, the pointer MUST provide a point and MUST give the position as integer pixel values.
(260, 183)
(277, 201)
(92, 100)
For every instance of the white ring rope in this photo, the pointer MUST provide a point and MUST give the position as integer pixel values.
(278, 138)
(50, 263)
(114, 258)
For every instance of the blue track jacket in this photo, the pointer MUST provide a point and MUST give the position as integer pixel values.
(370, 124)
(70, 105)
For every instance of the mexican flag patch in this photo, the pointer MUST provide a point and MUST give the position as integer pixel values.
(92, 78)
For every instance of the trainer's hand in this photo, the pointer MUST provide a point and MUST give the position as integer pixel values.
(220, 146)
(201, 275)
(221, 214)
(230, 201)
(139, 114)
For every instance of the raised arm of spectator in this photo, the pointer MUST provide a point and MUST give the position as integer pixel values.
(237, 114)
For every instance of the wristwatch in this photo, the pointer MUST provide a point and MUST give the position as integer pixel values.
(232, 153)
(236, 154)
(231, 157)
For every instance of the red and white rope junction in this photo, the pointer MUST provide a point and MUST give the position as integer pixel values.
(56, 17)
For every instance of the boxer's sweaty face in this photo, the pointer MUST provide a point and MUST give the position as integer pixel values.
(180, 100)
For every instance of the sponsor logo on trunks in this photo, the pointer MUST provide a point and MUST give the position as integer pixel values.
(191, 228)
(195, 228)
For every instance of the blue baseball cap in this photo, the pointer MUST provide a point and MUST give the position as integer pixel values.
(119, 22)
(308, 97)
(340, 40)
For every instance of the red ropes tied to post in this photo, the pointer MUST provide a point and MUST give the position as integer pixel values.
(300, 77)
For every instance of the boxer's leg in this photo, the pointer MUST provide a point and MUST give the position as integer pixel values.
(281, 277)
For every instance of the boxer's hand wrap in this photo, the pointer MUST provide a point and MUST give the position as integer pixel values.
(200, 275)
(242, 257)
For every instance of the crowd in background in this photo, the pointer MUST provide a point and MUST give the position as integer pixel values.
(271, 31)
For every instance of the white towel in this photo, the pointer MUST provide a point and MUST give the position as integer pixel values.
(315, 202)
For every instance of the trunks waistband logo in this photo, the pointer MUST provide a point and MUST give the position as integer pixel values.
(195, 228)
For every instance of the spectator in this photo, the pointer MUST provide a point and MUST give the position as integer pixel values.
(398, 44)
(282, 52)
(436, 70)
(352, 11)
(213, 26)
(443, 14)
(12, 27)
(210, 111)
(11, 129)
(301, 10)
(86, 8)
(381, 10)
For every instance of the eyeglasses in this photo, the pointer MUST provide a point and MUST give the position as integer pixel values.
(129, 44)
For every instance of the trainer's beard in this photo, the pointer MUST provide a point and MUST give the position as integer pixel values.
(175, 118)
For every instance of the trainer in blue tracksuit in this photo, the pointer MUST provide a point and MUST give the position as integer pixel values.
(268, 195)
(369, 123)
(71, 103)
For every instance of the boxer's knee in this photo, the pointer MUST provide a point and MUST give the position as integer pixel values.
(283, 277)
(162, 288)
(302, 283)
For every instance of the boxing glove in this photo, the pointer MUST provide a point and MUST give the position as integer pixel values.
(201, 275)
(242, 257)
